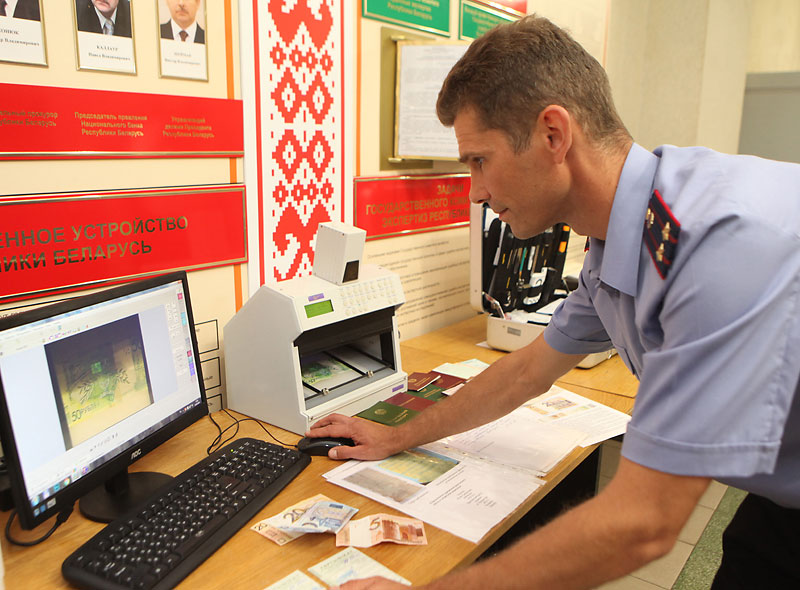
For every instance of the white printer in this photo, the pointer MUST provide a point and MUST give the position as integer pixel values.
(307, 347)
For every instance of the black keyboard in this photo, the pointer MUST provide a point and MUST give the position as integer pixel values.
(163, 540)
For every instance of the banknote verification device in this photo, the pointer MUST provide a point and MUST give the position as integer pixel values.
(307, 347)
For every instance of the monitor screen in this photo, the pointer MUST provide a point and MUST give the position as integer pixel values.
(91, 384)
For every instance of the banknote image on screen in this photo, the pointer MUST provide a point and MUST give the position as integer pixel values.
(99, 377)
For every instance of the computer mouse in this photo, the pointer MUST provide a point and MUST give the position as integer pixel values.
(321, 446)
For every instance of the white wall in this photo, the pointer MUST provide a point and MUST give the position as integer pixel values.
(677, 69)
(774, 39)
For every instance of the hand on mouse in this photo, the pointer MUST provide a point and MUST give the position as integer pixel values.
(372, 440)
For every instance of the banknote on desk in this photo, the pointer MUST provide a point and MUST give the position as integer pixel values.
(378, 528)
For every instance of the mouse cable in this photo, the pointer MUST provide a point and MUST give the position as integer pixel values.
(60, 519)
(218, 442)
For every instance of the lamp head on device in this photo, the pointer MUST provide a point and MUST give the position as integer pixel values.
(90, 385)
(338, 252)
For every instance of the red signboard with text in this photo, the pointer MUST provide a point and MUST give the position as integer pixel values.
(43, 122)
(518, 6)
(55, 243)
(390, 206)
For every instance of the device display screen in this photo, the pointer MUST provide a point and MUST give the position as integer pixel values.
(318, 308)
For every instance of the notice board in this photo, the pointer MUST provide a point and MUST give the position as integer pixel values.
(421, 68)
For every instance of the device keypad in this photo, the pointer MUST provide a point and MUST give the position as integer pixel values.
(369, 295)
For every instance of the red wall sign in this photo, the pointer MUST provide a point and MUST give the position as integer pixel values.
(518, 6)
(391, 206)
(59, 243)
(43, 122)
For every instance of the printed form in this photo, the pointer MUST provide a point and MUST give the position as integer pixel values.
(467, 483)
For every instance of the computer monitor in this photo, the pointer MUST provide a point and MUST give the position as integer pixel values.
(90, 385)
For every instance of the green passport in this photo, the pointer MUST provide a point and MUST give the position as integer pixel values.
(388, 414)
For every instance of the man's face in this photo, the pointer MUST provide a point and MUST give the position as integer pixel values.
(520, 187)
(106, 7)
(183, 11)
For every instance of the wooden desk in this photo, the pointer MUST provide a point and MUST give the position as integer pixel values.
(248, 560)
(459, 342)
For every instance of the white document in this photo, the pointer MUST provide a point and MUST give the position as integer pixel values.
(297, 580)
(550, 308)
(453, 390)
(441, 486)
(467, 483)
(351, 564)
(563, 408)
(465, 369)
(519, 439)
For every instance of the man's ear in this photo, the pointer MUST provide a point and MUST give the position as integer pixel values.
(555, 124)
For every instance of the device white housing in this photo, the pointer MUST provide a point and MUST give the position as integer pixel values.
(270, 337)
(338, 251)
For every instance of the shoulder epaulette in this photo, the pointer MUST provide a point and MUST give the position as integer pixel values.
(661, 231)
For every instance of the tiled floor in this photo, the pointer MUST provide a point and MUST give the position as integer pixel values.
(662, 573)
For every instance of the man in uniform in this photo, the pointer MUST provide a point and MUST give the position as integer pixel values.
(693, 275)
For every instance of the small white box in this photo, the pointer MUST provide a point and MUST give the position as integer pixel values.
(510, 335)
(338, 252)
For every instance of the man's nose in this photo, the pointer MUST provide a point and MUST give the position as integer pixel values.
(477, 193)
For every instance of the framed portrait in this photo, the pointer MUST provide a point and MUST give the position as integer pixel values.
(104, 35)
(182, 39)
(22, 32)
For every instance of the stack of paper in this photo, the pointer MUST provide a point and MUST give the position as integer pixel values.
(467, 483)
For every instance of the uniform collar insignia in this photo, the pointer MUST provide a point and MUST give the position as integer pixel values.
(661, 232)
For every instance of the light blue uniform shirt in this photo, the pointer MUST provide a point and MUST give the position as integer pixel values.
(716, 343)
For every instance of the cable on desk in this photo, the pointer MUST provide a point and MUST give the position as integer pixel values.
(60, 519)
(218, 442)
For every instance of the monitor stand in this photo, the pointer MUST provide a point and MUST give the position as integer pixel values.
(120, 493)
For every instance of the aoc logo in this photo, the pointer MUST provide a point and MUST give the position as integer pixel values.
(136, 454)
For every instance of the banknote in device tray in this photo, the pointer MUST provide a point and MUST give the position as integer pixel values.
(378, 528)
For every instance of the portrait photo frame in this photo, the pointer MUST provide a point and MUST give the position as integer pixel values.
(183, 39)
(104, 35)
(22, 38)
